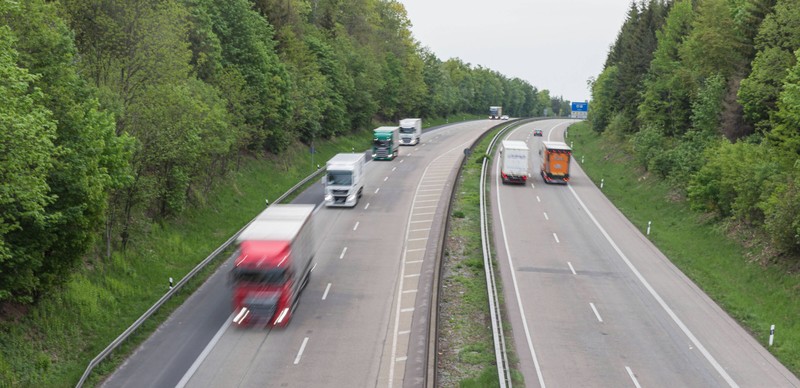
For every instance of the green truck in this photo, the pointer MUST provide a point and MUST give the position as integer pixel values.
(385, 143)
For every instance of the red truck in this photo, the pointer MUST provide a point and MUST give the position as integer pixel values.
(273, 264)
(555, 161)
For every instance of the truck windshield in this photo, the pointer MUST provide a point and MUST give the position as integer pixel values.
(263, 277)
(406, 130)
(343, 178)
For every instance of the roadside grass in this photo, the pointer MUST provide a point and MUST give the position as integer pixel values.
(466, 347)
(717, 261)
(51, 344)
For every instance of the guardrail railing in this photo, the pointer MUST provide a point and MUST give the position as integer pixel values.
(138, 323)
(501, 355)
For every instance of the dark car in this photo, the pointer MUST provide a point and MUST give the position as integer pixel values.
(537, 132)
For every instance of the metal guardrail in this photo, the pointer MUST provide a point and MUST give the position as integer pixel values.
(501, 355)
(147, 314)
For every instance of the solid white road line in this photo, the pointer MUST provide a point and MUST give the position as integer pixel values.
(202, 357)
(516, 285)
(657, 297)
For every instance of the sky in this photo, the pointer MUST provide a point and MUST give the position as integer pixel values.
(553, 44)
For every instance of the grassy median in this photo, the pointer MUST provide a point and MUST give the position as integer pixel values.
(466, 349)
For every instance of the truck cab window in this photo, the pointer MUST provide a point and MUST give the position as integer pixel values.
(340, 178)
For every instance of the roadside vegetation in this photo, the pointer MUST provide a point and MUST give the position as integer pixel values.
(122, 121)
(727, 262)
(51, 343)
(698, 107)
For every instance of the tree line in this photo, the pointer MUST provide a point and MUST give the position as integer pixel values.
(706, 94)
(118, 114)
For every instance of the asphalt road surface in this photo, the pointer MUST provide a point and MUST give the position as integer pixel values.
(592, 303)
(362, 319)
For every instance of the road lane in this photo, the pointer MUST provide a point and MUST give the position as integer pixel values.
(592, 320)
(352, 336)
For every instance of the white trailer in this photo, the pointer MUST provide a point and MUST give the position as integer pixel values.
(410, 131)
(344, 179)
(514, 156)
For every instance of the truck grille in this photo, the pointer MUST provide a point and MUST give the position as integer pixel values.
(262, 308)
(339, 192)
(382, 153)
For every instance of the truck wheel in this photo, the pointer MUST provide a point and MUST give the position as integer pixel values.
(359, 192)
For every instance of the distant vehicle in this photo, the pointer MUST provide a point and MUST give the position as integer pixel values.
(503, 117)
(385, 143)
(344, 179)
(273, 264)
(537, 132)
(555, 161)
(514, 161)
(410, 131)
(495, 112)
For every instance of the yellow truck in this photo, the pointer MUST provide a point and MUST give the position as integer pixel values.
(555, 157)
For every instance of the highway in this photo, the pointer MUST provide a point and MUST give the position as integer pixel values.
(363, 319)
(592, 303)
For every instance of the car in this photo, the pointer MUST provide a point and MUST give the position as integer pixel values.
(537, 132)
(503, 117)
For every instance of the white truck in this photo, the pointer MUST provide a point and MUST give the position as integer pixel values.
(344, 179)
(514, 155)
(410, 131)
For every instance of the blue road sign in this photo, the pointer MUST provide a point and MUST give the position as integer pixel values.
(580, 106)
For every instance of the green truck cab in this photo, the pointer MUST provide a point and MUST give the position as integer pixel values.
(385, 143)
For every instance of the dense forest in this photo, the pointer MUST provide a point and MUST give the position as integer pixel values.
(120, 114)
(706, 95)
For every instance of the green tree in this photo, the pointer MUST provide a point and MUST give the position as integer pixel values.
(776, 42)
(668, 87)
(601, 110)
(90, 159)
(247, 45)
(27, 131)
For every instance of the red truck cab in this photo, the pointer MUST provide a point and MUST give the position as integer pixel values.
(272, 266)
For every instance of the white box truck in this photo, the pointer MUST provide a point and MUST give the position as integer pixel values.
(514, 156)
(344, 179)
(410, 131)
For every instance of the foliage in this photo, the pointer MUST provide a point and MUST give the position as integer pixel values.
(64, 144)
(668, 87)
(601, 110)
(777, 39)
(718, 113)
